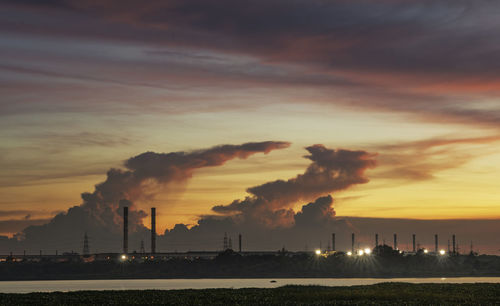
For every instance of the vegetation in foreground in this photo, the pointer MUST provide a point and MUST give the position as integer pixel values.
(379, 294)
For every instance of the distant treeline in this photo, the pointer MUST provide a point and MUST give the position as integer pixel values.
(230, 264)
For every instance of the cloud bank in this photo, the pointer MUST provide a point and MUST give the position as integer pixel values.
(330, 171)
(145, 174)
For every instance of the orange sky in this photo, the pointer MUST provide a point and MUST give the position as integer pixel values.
(98, 84)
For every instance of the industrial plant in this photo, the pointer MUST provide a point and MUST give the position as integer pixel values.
(124, 255)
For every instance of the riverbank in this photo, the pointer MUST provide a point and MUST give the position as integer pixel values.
(379, 294)
(392, 265)
(214, 283)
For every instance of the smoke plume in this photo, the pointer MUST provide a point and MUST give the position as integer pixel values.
(151, 168)
(100, 212)
(330, 170)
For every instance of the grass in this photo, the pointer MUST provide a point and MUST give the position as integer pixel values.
(379, 294)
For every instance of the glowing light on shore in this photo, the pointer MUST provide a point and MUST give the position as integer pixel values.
(368, 251)
(442, 252)
(349, 253)
(318, 252)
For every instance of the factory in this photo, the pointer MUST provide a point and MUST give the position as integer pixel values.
(356, 249)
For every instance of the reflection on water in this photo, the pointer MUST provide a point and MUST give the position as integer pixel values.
(167, 284)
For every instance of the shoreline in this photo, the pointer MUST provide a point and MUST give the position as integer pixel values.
(206, 284)
(253, 277)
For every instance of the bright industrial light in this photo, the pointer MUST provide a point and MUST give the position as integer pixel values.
(124, 257)
(318, 252)
(349, 253)
(360, 252)
(425, 251)
(368, 251)
(442, 252)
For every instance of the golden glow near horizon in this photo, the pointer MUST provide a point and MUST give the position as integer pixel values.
(467, 190)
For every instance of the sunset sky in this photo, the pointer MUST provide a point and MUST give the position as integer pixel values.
(86, 85)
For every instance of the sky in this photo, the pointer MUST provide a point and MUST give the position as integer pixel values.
(369, 110)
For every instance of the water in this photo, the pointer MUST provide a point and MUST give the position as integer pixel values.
(169, 284)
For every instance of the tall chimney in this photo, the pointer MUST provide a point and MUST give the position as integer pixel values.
(239, 242)
(414, 249)
(436, 247)
(125, 230)
(376, 240)
(352, 245)
(395, 241)
(454, 245)
(333, 241)
(153, 230)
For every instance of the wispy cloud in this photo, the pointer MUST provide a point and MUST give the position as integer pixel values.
(421, 160)
(410, 57)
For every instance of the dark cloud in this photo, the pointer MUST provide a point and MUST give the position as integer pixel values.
(406, 56)
(313, 223)
(316, 213)
(100, 212)
(330, 170)
(180, 165)
(407, 36)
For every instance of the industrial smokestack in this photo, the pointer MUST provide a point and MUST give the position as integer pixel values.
(239, 242)
(414, 249)
(352, 245)
(395, 241)
(333, 242)
(125, 230)
(436, 247)
(376, 240)
(153, 230)
(454, 245)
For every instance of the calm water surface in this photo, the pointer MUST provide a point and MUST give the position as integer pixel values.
(167, 284)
